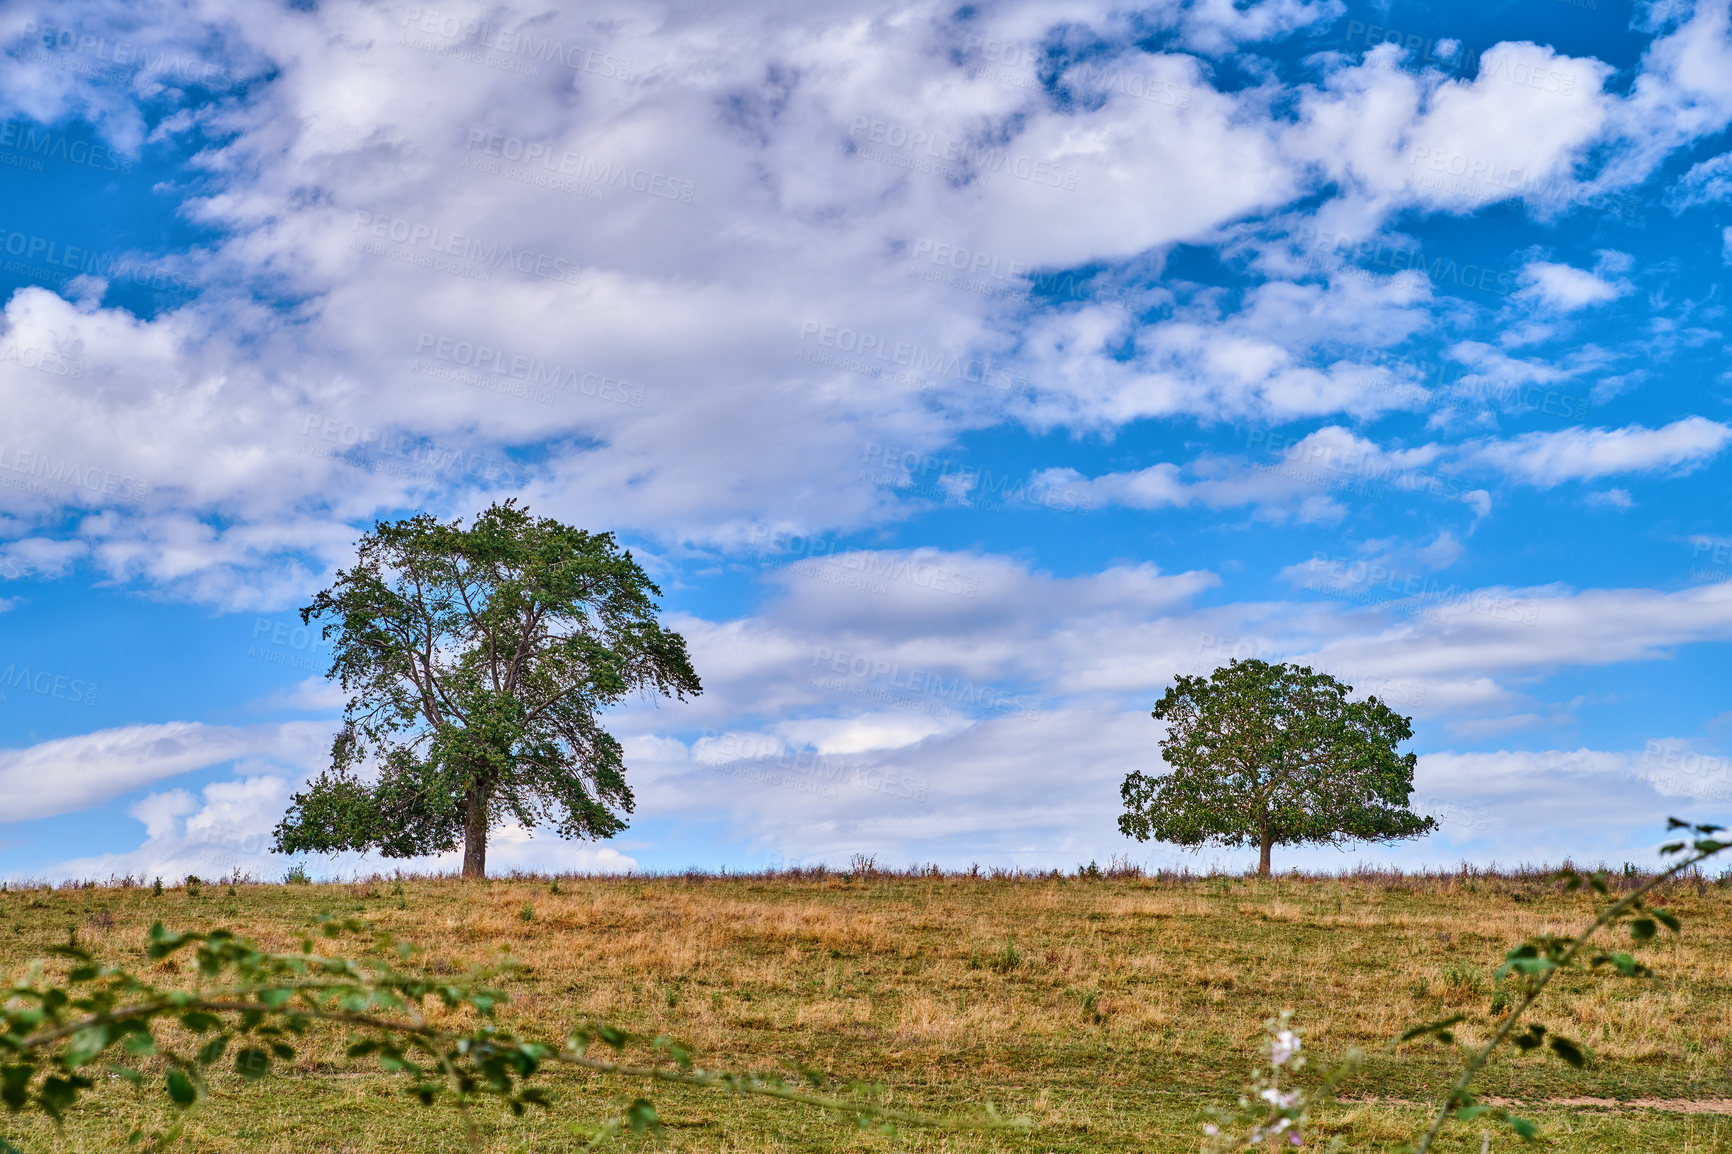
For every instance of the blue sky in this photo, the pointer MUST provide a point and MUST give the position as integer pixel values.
(962, 374)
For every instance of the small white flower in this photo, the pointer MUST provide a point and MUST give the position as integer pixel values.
(1283, 1047)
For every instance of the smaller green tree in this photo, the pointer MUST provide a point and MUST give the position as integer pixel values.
(1269, 755)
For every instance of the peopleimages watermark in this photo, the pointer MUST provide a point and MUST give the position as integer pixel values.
(492, 45)
(1338, 253)
(869, 354)
(969, 270)
(1222, 650)
(874, 572)
(1449, 387)
(758, 757)
(35, 144)
(430, 246)
(567, 171)
(288, 644)
(1673, 756)
(911, 473)
(1367, 471)
(1017, 64)
(1718, 552)
(1409, 592)
(61, 262)
(1441, 52)
(1452, 815)
(924, 690)
(986, 274)
(40, 475)
(46, 683)
(106, 59)
(518, 374)
(921, 150)
(50, 361)
(402, 454)
(825, 560)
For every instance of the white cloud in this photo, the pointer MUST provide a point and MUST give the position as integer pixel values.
(230, 827)
(311, 693)
(1562, 287)
(74, 773)
(1579, 454)
(1391, 138)
(793, 141)
(1263, 361)
(1612, 498)
(1706, 183)
(1683, 89)
(1298, 481)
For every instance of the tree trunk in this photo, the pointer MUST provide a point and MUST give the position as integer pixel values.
(475, 832)
(1263, 857)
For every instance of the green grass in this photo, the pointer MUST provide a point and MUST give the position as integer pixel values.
(1112, 1011)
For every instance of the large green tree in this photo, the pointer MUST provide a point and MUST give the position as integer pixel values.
(1268, 755)
(477, 661)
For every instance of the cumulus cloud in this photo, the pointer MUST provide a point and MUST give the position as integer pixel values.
(680, 335)
(1580, 454)
(227, 831)
(1305, 479)
(1565, 288)
(74, 773)
(1706, 183)
(1293, 351)
(1682, 91)
(1391, 138)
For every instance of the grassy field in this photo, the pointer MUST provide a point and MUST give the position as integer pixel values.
(1109, 1011)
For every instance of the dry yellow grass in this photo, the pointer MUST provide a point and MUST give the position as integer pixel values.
(1110, 1011)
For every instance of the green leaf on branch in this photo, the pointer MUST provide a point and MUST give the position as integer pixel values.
(181, 1090)
(642, 1117)
(86, 1045)
(1439, 1029)
(58, 1094)
(162, 944)
(1643, 929)
(1522, 1126)
(200, 1022)
(15, 1086)
(1625, 964)
(1568, 1051)
(126, 1072)
(213, 1049)
(252, 1063)
(1668, 920)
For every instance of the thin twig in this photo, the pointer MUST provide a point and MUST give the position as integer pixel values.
(1458, 1091)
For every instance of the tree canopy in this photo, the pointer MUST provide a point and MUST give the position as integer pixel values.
(477, 661)
(1268, 755)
